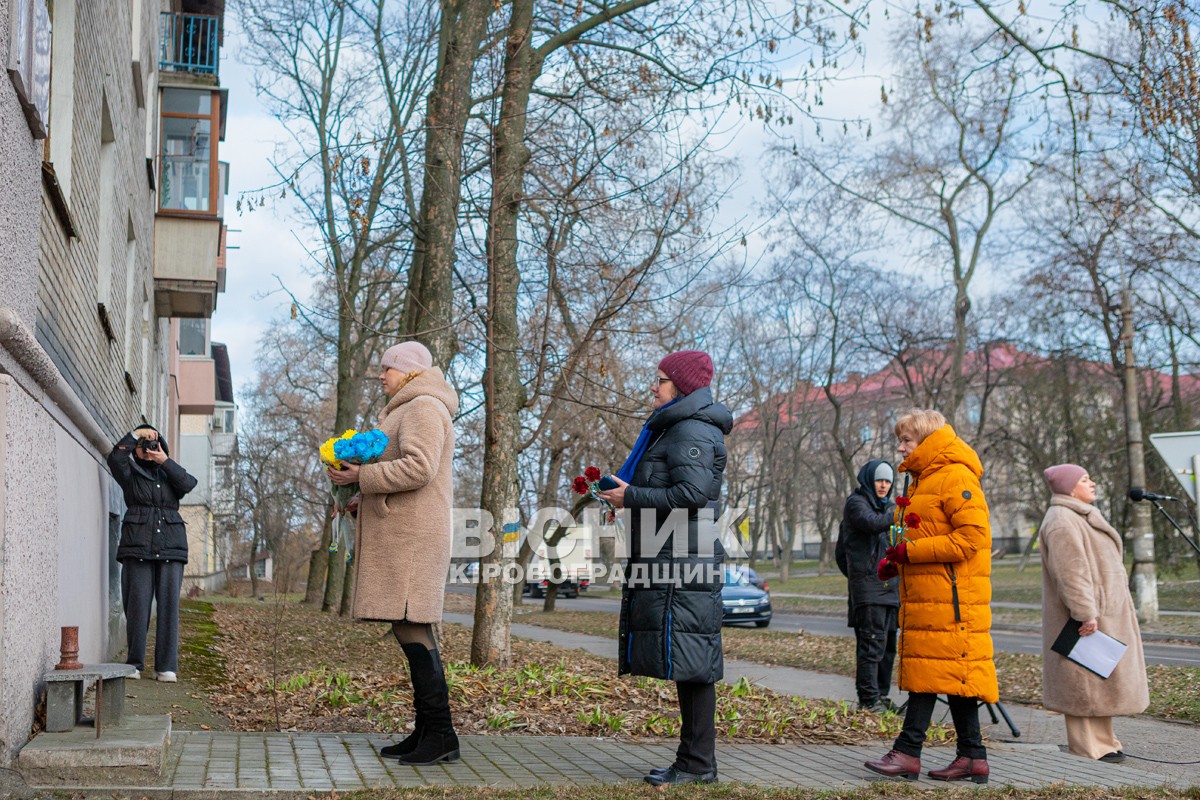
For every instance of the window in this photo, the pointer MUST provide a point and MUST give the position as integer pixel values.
(62, 94)
(109, 200)
(193, 337)
(974, 409)
(189, 174)
(223, 420)
(29, 61)
(133, 320)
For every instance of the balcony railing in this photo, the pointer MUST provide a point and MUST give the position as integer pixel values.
(190, 43)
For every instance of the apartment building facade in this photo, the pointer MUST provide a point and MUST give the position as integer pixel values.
(96, 260)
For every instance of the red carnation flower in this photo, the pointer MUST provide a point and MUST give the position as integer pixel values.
(580, 485)
(903, 501)
(592, 474)
(912, 521)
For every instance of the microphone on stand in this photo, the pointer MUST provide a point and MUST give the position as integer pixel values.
(1137, 495)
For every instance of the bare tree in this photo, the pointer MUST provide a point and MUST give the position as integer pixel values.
(954, 158)
(346, 79)
(1108, 253)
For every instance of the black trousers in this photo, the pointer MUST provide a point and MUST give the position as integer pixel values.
(875, 651)
(697, 751)
(919, 713)
(143, 583)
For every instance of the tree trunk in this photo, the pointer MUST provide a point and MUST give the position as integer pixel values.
(318, 566)
(253, 574)
(335, 577)
(348, 588)
(503, 391)
(958, 380)
(1029, 548)
(1144, 580)
(552, 587)
(429, 301)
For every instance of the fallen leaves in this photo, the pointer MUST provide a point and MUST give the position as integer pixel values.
(292, 667)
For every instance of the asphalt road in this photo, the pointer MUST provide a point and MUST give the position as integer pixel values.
(1176, 655)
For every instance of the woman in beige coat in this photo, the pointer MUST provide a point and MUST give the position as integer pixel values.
(404, 532)
(1083, 579)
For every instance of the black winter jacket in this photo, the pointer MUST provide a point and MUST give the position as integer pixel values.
(863, 535)
(671, 609)
(153, 530)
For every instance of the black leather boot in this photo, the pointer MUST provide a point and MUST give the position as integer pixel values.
(405, 745)
(436, 740)
(408, 743)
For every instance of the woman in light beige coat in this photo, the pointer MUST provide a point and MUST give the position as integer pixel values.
(404, 537)
(1083, 579)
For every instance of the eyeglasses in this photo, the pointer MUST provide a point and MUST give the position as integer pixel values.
(656, 381)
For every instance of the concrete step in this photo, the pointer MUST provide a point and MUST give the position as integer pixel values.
(132, 754)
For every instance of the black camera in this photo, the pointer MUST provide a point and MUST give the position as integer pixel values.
(148, 445)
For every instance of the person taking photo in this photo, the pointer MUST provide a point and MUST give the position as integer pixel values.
(153, 548)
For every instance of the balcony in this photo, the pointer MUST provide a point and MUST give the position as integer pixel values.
(186, 274)
(190, 44)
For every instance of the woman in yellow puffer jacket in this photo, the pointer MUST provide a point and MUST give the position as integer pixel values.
(945, 563)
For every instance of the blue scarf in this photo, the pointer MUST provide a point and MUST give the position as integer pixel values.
(625, 473)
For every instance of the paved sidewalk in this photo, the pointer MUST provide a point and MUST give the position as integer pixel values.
(217, 764)
(211, 764)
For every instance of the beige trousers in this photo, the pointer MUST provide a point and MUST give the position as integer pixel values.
(1091, 737)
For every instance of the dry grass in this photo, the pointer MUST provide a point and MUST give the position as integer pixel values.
(1174, 691)
(291, 667)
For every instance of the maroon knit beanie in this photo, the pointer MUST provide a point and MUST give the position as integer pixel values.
(689, 370)
(1063, 478)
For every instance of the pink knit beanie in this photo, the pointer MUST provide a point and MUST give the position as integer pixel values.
(408, 357)
(689, 370)
(1063, 478)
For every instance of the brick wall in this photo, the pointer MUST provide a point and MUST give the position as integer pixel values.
(112, 206)
(55, 511)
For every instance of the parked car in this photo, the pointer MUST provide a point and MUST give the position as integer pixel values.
(743, 601)
(566, 588)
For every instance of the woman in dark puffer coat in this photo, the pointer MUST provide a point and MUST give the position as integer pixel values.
(153, 548)
(671, 607)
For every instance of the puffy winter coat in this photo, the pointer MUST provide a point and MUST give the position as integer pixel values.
(945, 642)
(152, 529)
(862, 540)
(404, 520)
(670, 625)
(1083, 577)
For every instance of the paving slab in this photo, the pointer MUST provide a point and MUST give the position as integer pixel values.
(222, 765)
(346, 762)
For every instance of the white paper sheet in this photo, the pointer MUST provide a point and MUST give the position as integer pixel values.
(1099, 652)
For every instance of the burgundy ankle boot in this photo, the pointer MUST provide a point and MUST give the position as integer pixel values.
(896, 765)
(963, 769)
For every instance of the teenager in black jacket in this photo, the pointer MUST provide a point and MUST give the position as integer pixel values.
(153, 548)
(862, 540)
(670, 625)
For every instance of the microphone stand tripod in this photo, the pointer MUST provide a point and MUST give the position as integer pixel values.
(1175, 525)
